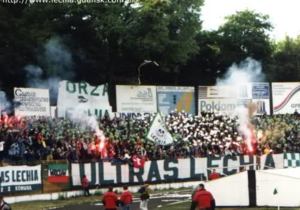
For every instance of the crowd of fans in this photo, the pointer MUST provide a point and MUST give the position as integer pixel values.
(206, 135)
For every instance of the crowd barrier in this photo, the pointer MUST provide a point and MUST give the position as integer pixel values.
(59, 176)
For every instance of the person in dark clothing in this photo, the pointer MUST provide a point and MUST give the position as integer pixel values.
(3, 204)
(85, 185)
(110, 200)
(203, 199)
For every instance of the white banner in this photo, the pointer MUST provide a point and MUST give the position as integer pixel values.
(136, 99)
(20, 178)
(32, 102)
(158, 132)
(93, 100)
(218, 105)
(286, 97)
(226, 98)
(168, 170)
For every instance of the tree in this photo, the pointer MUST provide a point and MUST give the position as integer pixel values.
(245, 34)
(109, 41)
(205, 65)
(285, 63)
(15, 48)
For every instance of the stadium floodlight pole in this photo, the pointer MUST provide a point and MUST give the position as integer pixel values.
(144, 63)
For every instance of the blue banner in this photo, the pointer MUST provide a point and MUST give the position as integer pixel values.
(175, 98)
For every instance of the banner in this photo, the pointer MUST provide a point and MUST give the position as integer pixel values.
(74, 97)
(136, 99)
(58, 173)
(226, 99)
(175, 98)
(133, 116)
(272, 161)
(20, 178)
(291, 160)
(32, 102)
(158, 132)
(286, 97)
(168, 170)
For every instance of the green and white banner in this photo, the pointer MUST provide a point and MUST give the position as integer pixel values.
(158, 132)
(169, 170)
(20, 178)
(82, 97)
(291, 160)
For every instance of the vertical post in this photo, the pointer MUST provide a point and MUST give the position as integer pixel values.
(42, 177)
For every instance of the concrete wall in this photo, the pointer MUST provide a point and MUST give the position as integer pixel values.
(228, 191)
(231, 190)
(285, 181)
(71, 194)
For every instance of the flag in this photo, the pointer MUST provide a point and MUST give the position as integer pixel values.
(275, 191)
(158, 132)
(138, 162)
(58, 173)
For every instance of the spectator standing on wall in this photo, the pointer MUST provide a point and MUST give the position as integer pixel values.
(110, 200)
(126, 198)
(85, 185)
(214, 175)
(145, 196)
(203, 199)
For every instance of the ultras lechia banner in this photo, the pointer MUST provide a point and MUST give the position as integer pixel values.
(74, 97)
(20, 178)
(171, 170)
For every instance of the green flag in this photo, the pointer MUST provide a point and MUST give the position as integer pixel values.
(275, 192)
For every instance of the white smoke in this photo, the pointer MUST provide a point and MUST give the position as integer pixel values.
(80, 115)
(248, 71)
(5, 104)
(57, 64)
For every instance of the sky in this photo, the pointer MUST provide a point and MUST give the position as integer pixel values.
(284, 14)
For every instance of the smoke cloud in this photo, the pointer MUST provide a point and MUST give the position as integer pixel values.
(79, 115)
(5, 104)
(54, 64)
(248, 71)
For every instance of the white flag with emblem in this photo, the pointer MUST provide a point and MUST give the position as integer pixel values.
(158, 131)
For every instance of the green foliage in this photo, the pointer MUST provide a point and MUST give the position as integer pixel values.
(108, 42)
(285, 63)
(245, 35)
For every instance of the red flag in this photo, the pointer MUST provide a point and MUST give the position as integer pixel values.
(138, 162)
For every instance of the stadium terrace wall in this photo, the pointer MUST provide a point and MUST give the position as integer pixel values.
(64, 177)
